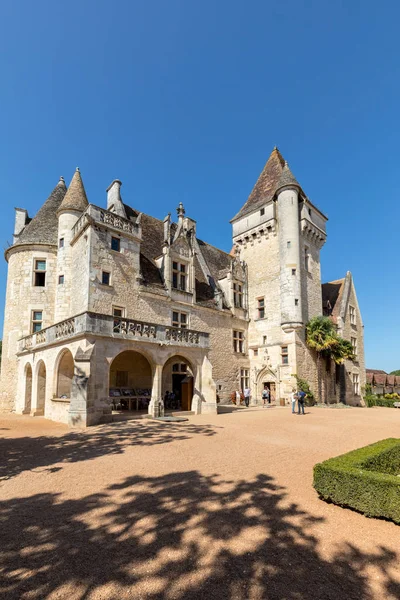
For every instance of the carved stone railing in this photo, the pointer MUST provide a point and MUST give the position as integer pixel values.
(95, 214)
(115, 327)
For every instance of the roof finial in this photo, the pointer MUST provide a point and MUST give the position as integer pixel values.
(180, 210)
(62, 178)
(77, 168)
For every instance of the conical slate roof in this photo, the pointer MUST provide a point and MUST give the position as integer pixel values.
(266, 185)
(75, 198)
(43, 228)
(287, 178)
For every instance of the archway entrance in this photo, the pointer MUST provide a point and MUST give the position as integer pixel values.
(28, 389)
(267, 380)
(131, 381)
(178, 384)
(65, 374)
(41, 389)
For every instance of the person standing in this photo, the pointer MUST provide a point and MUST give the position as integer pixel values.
(237, 395)
(266, 396)
(301, 396)
(247, 396)
(293, 399)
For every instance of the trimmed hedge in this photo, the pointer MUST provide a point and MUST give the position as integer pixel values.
(364, 479)
(380, 401)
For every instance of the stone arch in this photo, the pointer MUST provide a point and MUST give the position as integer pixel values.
(40, 388)
(64, 374)
(178, 376)
(131, 379)
(267, 376)
(28, 388)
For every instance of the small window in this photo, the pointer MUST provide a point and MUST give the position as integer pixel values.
(306, 260)
(179, 276)
(352, 315)
(255, 351)
(288, 244)
(296, 302)
(238, 341)
(356, 384)
(37, 320)
(118, 311)
(179, 368)
(264, 339)
(116, 244)
(179, 319)
(285, 355)
(244, 379)
(262, 212)
(105, 278)
(354, 344)
(61, 280)
(61, 243)
(261, 308)
(238, 295)
(309, 212)
(40, 273)
(293, 271)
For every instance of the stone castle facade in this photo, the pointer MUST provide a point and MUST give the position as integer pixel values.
(106, 305)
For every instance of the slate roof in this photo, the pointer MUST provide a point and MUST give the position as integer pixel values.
(75, 198)
(43, 228)
(332, 294)
(266, 185)
(151, 247)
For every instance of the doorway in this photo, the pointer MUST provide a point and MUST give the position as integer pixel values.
(178, 379)
(270, 385)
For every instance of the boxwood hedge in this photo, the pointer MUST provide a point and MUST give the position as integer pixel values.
(366, 479)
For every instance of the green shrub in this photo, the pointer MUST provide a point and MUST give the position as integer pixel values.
(364, 479)
(388, 400)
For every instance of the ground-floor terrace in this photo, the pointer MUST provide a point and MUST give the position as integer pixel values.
(81, 370)
(221, 506)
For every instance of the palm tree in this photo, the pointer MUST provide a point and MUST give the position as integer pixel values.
(321, 337)
(342, 351)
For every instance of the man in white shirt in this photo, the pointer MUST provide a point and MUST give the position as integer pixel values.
(247, 396)
(293, 399)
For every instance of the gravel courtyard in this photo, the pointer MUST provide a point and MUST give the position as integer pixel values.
(218, 507)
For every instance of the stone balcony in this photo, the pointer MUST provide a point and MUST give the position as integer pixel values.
(95, 214)
(115, 327)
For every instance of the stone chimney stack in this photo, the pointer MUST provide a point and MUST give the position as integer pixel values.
(167, 229)
(21, 219)
(114, 200)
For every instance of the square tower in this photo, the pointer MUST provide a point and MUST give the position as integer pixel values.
(279, 233)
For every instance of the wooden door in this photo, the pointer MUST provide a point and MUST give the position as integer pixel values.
(187, 393)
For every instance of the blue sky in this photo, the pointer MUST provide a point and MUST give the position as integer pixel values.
(184, 101)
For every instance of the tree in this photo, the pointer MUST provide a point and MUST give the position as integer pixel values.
(395, 372)
(321, 336)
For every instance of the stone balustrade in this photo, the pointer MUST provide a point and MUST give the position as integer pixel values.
(117, 327)
(95, 214)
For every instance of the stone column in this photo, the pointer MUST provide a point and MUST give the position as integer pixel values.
(81, 413)
(207, 388)
(156, 406)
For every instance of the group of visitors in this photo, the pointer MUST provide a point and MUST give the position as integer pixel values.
(297, 396)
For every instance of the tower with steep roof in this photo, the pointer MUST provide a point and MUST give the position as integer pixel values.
(279, 233)
(31, 283)
(72, 207)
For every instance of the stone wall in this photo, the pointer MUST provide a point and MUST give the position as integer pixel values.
(22, 297)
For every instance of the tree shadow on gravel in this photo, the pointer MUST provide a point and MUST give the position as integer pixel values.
(29, 453)
(178, 536)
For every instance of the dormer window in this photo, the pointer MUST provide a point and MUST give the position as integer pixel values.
(238, 295)
(179, 276)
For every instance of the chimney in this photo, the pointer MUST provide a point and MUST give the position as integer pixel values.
(114, 200)
(21, 219)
